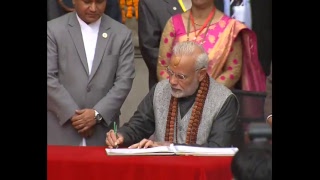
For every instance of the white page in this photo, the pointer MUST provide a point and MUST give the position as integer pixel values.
(181, 149)
(172, 149)
(127, 151)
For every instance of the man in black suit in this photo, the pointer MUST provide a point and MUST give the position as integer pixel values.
(153, 16)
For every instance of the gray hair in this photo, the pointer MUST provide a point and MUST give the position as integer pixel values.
(187, 48)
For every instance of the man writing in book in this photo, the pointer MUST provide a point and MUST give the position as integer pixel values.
(187, 108)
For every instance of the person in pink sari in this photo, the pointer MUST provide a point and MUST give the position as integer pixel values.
(231, 46)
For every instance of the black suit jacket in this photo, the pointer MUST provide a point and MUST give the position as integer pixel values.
(153, 16)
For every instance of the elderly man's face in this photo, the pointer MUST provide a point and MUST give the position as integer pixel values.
(89, 10)
(183, 77)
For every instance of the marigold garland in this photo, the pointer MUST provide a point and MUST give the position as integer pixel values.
(129, 12)
(122, 4)
(129, 8)
(135, 5)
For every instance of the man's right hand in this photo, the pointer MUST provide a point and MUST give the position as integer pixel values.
(112, 141)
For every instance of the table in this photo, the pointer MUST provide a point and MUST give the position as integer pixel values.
(92, 163)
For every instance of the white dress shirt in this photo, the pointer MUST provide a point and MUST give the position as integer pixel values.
(89, 35)
(241, 11)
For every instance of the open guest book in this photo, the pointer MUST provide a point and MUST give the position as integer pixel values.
(173, 150)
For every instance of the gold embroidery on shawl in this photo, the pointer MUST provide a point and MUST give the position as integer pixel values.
(219, 53)
(212, 27)
(212, 39)
(165, 50)
(231, 72)
(222, 23)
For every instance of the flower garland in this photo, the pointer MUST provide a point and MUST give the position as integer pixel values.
(129, 8)
(135, 5)
(122, 4)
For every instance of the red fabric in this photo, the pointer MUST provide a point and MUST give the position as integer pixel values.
(92, 163)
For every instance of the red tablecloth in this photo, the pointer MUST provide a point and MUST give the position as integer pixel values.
(92, 163)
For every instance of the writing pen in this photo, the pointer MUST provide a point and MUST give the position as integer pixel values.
(115, 131)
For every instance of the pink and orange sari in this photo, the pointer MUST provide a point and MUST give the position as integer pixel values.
(231, 47)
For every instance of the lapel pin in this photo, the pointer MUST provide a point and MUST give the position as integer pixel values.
(174, 8)
(105, 35)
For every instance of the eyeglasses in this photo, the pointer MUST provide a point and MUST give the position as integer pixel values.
(178, 75)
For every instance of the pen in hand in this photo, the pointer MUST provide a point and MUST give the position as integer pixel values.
(115, 131)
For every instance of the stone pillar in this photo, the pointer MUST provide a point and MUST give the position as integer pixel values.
(132, 24)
